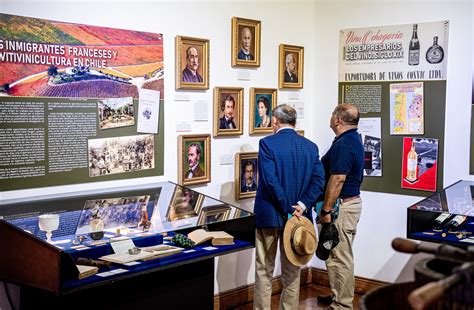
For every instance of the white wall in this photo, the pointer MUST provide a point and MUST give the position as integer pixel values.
(314, 25)
(384, 215)
(281, 23)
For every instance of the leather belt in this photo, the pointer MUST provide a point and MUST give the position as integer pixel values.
(349, 198)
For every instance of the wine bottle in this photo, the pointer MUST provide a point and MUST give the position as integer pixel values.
(412, 163)
(440, 220)
(414, 48)
(435, 54)
(456, 222)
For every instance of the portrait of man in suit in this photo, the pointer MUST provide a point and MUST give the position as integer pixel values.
(246, 44)
(190, 73)
(227, 109)
(248, 183)
(291, 75)
(194, 157)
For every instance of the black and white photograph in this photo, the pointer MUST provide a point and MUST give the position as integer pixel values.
(370, 135)
(120, 155)
(116, 112)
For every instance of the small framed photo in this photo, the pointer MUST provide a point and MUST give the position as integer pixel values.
(213, 214)
(192, 63)
(300, 132)
(228, 111)
(194, 159)
(245, 42)
(185, 203)
(262, 103)
(246, 175)
(291, 64)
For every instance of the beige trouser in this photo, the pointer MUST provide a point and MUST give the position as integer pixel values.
(340, 264)
(265, 251)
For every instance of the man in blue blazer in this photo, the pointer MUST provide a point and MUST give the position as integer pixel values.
(291, 178)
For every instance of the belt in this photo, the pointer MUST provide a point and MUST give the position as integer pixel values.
(349, 198)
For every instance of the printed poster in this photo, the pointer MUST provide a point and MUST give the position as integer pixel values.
(370, 132)
(419, 164)
(406, 109)
(410, 52)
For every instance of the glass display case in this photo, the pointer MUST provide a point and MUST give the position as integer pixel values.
(46, 243)
(446, 216)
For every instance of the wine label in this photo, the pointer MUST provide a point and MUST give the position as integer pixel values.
(414, 57)
(442, 217)
(412, 164)
(459, 219)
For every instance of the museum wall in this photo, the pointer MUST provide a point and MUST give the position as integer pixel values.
(281, 23)
(314, 25)
(384, 215)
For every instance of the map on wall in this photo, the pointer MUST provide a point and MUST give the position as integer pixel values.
(406, 109)
(66, 86)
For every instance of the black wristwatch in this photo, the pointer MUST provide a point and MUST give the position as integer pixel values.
(324, 212)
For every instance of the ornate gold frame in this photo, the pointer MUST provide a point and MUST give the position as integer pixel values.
(284, 50)
(205, 160)
(252, 24)
(202, 44)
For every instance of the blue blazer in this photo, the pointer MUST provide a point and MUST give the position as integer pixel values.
(289, 171)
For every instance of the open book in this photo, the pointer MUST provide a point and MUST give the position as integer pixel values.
(218, 237)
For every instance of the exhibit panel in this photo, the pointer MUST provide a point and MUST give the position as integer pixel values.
(446, 216)
(87, 242)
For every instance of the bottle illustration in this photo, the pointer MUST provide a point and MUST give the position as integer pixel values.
(440, 221)
(435, 54)
(412, 163)
(414, 48)
(456, 222)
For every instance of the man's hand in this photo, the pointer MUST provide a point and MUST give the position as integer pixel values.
(325, 218)
(298, 211)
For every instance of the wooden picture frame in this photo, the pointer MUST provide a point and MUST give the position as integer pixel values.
(213, 214)
(300, 132)
(228, 121)
(291, 76)
(194, 150)
(185, 203)
(245, 51)
(261, 100)
(246, 175)
(192, 63)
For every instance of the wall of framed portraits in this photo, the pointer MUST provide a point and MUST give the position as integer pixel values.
(308, 43)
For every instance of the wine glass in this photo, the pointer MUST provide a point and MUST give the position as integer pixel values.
(48, 223)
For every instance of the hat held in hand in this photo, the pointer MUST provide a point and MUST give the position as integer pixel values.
(299, 240)
(328, 239)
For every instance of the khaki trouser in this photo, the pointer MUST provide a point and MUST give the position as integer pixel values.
(265, 251)
(340, 264)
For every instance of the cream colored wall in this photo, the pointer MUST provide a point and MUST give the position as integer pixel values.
(384, 215)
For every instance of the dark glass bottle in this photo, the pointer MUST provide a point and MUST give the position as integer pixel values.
(435, 54)
(414, 48)
(440, 221)
(456, 222)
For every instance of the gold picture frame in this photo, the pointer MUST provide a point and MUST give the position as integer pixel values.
(185, 203)
(300, 132)
(261, 100)
(245, 50)
(246, 175)
(194, 150)
(291, 76)
(228, 121)
(213, 214)
(191, 53)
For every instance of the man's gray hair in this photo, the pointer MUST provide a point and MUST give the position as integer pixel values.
(290, 55)
(197, 146)
(285, 114)
(349, 114)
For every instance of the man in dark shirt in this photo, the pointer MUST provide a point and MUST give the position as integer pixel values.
(290, 71)
(249, 183)
(246, 38)
(190, 73)
(227, 108)
(343, 166)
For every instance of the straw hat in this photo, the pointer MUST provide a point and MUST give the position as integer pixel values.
(299, 240)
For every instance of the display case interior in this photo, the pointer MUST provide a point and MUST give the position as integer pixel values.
(64, 244)
(446, 216)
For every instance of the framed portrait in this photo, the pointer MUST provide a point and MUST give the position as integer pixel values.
(245, 42)
(192, 63)
(228, 111)
(185, 203)
(262, 103)
(213, 214)
(246, 175)
(194, 159)
(290, 68)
